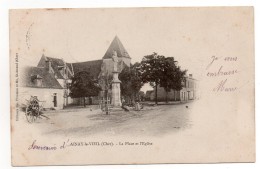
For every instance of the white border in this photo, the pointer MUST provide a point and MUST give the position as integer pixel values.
(5, 5)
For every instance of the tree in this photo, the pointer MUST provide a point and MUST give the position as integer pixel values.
(131, 81)
(163, 71)
(172, 76)
(84, 85)
(152, 70)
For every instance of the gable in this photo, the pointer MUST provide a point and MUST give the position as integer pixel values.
(117, 46)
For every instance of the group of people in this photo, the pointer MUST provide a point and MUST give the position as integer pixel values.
(137, 106)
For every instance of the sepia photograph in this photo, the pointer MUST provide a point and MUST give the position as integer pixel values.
(132, 85)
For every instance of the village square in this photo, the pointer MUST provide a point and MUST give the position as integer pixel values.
(107, 95)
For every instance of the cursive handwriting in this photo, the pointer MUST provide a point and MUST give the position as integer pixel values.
(212, 72)
(220, 72)
(214, 58)
(34, 146)
(221, 87)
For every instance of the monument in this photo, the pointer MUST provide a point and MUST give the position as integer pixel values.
(116, 92)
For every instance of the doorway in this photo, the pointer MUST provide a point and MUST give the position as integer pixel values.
(55, 99)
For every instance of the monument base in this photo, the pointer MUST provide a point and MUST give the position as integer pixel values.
(116, 95)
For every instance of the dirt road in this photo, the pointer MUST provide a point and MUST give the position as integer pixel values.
(151, 121)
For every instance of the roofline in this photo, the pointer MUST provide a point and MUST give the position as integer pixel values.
(87, 61)
(61, 88)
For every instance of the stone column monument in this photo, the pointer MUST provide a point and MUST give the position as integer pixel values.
(116, 92)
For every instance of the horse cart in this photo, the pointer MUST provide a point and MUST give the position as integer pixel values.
(34, 109)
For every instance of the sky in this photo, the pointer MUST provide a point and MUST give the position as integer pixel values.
(190, 35)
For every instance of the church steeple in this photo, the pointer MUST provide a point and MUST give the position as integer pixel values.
(116, 45)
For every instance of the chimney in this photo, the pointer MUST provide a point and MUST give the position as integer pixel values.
(190, 75)
(48, 66)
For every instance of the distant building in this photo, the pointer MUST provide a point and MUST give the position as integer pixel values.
(148, 95)
(188, 92)
(49, 81)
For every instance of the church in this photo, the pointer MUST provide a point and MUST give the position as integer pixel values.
(49, 80)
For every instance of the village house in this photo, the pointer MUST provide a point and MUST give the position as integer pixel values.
(38, 82)
(188, 92)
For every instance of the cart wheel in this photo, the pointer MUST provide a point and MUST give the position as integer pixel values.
(32, 112)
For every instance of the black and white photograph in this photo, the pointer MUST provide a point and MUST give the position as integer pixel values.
(132, 85)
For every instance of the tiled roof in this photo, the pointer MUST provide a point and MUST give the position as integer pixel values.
(93, 67)
(55, 63)
(48, 80)
(117, 46)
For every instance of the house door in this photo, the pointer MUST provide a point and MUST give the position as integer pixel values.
(55, 99)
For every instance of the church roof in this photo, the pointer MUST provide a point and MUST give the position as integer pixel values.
(93, 67)
(117, 46)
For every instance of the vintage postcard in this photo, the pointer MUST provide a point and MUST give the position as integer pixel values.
(132, 85)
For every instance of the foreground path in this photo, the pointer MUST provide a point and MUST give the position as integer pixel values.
(152, 121)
